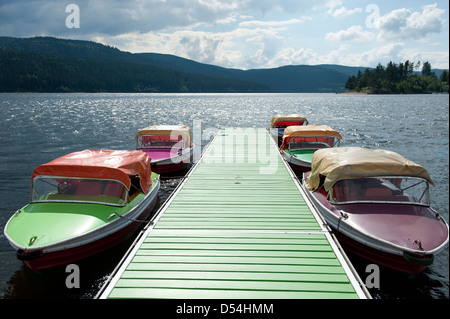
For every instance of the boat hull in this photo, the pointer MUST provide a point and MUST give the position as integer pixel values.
(277, 135)
(298, 166)
(91, 243)
(361, 237)
(392, 261)
(169, 166)
(174, 163)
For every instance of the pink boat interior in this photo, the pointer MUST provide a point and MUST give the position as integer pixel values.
(161, 147)
(157, 154)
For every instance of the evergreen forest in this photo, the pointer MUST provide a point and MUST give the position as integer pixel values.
(402, 78)
(23, 71)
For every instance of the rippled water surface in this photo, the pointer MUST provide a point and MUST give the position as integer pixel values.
(36, 128)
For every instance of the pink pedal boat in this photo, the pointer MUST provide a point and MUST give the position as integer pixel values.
(169, 147)
(377, 203)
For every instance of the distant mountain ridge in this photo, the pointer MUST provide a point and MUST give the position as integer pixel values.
(45, 64)
(285, 79)
(147, 72)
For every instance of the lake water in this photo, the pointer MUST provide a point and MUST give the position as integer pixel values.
(36, 128)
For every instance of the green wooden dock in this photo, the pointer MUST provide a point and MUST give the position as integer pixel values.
(238, 226)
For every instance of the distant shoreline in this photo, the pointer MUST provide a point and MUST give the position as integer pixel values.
(372, 92)
(362, 92)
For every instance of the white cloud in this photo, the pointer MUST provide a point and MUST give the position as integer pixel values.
(287, 6)
(384, 54)
(346, 55)
(404, 24)
(243, 33)
(252, 44)
(331, 5)
(199, 46)
(337, 56)
(290, 56)
(437, 59)
(343, 12)
(256, 24)
(220, 5)
(354, 33)
(202, 46)
(113, 17)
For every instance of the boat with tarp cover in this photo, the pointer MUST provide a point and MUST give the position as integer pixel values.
(169, 147)
(300, 142)
(81, 204)
(377, 202)
(280, 122)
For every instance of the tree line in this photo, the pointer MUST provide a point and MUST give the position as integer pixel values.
(399, 78)
(22, 71)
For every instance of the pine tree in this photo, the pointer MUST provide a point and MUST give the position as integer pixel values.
(426, 69)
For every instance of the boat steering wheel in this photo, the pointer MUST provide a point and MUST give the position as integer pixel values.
(64, 187)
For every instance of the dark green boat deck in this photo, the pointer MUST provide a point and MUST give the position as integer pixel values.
(237, 227)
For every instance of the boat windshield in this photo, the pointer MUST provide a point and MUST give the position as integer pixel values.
(315, 142)
(160, 141)
(399, 190)
(63, 189)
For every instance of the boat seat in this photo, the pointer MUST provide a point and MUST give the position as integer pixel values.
(341, 194)
(378, 193)
(88, 188)
(114, 190)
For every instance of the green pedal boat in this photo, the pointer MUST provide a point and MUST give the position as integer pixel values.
(81, 204)
(300, 142)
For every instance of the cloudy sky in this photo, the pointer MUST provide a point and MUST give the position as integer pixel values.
(248, 34)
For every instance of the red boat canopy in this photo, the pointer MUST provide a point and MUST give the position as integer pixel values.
(308, 131)
(101, 164)
(288, 120)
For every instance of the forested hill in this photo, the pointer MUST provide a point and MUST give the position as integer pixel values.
(286, 79)
(22, 71)
(54, 65)
(46, 64)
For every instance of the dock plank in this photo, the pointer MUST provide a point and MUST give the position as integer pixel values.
(237, 227)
